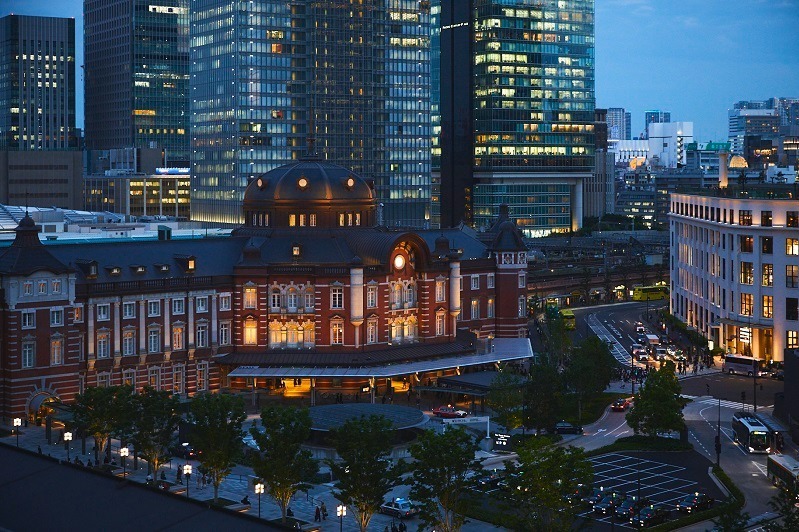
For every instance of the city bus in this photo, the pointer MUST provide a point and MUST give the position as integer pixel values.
(569, 321)
(783, 471)
(650, 293)
(750, 433)
(743, 365)
(776, 431)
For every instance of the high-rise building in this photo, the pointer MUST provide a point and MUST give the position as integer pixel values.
(268, 76)
(516, 111)
(37, 91)
(136, 55)
(655, 117)
(745, 122)
(619, 124)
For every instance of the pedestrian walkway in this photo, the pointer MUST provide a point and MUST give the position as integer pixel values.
(234, 487)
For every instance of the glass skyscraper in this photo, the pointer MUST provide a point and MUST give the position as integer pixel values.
(137, 76)
(268, 75)
(37, 83)
(529, 99)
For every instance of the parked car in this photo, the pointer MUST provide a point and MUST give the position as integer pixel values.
(579, 494)
(694, 502)
(449, 412)
(650, 516)
(779, 375)
(607, 506)
(399, 508)
(593, 497)
(567, 428)
(620, 405)
(628, 510)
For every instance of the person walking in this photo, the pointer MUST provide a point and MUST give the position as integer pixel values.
(317, 516)
(324, 512)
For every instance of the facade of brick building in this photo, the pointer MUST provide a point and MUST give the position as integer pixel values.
(311, 290)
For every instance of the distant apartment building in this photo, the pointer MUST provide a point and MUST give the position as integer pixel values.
(274, 80)
(136, 55)
(655, 117)
(514, 112)
(37, 92)
(619, 123)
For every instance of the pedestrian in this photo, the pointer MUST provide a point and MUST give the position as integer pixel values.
(179, 476)
(317, 516)
(163, 475)
(324, 512)
(39, 449)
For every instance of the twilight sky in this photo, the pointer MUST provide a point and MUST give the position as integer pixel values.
(693, 58)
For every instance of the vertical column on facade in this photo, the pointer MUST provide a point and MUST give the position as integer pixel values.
(90, 354)
(214, 323)
(356, 302)
(167, 329)
(190, 326)
(454, 294)
(577, 205)
(143, 345)
(117, 333)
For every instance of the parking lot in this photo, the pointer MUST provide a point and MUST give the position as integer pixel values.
(665, 478)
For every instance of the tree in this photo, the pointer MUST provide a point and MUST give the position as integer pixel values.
(364, 471)
(785, 503)
(559, 340)
(732, 519)
(540, 482)
(542, 397)
(590, 370)
(157, 419)
(100, 412)
(657, 406)
(505, 396)
(216, 431)
(443, 472)
(282, 464)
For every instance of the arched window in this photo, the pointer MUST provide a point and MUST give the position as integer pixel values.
(274, 334)
(396, 295)
(337, 332)
(309, 334)
(409, 295)
(396, 331)
(291, 335)
(274, 298)
(409, 331)
(250, 331)
(292, 300)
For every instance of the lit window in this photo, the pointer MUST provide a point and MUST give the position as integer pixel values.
(767, 274)
(250, 332)
(177, 379)
(337, 333)
(475, 309)
(250, 297)
(78, 313)
(768, 307)
(154, 377)
(747, 273)
(792, 339)
(747, 300)
(178, 334)
(441, 324)
(371, 332)
(792, 246)
(490, 310)
(56, 286)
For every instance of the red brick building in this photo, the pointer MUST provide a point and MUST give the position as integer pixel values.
(312, 288)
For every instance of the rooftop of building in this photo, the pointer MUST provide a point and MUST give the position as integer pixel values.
(757, 191)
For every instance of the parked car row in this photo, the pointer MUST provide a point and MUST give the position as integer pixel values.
(639, 511)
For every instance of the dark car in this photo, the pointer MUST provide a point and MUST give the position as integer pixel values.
(694, 502)
(399, 508)
(186, 451)
(486, 480)
(650, 516)
(620, 405)
(593, 497)
(579, 494)
(567, 428)
(608, 505)
(629, 508)
(779, 375)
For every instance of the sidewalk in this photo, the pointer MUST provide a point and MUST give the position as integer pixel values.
(234, 487)
(619, 386)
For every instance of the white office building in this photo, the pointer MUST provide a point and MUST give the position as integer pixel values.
(735, 267)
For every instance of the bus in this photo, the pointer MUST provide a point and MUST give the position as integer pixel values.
(776, 431)
(743, 365)
(750, 433)
(569, 321)
(650, 293)
(783, 471)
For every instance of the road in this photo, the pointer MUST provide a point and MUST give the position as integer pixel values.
(708, 390)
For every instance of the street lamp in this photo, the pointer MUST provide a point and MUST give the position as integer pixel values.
(123, 453)
(187, 474)
(67, 439)
(341, 511)
(259, 489)
(17, 425)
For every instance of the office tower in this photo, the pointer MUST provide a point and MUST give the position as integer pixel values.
(37, 91)
(744, 122)
(516, 111)
(354, 78)
(619, 124)
(655, 117)
(136, 76)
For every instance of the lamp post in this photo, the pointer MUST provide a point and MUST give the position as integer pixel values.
(187, 474)
(123, 453)
(17, 425)
(67, 439)
(259, 489)
(341, 511)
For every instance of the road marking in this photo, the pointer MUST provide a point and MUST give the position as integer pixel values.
(760, 468)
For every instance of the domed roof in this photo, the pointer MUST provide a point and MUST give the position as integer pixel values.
(738, 162)
(308, 180)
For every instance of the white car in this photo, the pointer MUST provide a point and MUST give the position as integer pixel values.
(639, 352)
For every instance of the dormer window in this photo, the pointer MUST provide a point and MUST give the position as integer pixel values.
(296, 250)
(93, 270)
(163, 268)
(116, 270)
(139, 269)
(187, 262)
(191, 264)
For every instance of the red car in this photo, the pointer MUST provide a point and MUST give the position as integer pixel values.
(449, 412)
(620, 405)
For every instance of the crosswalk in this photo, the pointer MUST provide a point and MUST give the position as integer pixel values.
(616, 349)
(734, 405)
